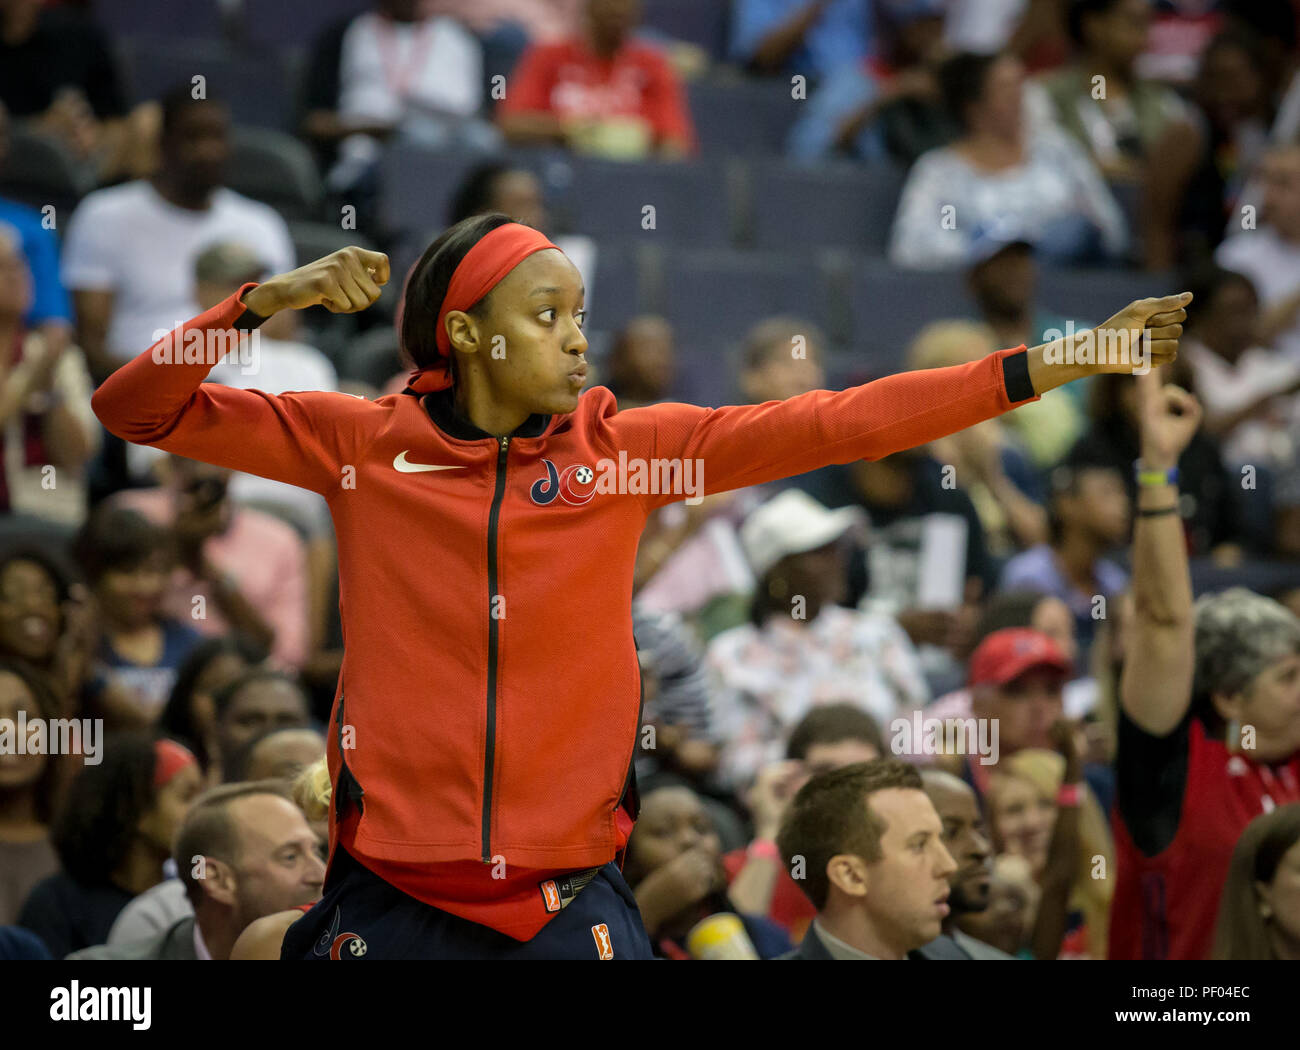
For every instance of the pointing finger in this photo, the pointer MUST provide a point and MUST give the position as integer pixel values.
(1168, 303)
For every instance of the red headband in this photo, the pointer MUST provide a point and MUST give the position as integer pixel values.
(169, 759)
(482, 269)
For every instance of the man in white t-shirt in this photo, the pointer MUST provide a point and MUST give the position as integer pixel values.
(421, 77)
(129, 253)
(1269, 251)
(128, 258)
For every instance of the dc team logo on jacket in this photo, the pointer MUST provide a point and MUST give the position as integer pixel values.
(574, 485)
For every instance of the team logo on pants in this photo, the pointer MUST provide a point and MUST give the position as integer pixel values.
(551, 895)
(604, 946)
(332, 941)
(356, 946)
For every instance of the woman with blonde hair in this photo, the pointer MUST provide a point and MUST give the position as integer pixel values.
(1040, 809)
(312, 791)
(1259, 914)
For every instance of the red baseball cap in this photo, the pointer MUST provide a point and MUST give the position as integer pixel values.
(1007, 654)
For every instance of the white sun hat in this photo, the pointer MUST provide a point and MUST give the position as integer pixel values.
(792, 523)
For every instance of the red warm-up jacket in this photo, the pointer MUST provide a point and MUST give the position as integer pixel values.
(488, 706)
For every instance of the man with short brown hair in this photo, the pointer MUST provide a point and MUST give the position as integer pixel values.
(867, 843)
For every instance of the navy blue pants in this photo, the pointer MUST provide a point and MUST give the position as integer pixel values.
(360, 916)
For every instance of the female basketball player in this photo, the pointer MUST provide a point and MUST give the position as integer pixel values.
(487, 517)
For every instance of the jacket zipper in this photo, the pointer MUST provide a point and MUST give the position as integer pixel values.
(489, 753)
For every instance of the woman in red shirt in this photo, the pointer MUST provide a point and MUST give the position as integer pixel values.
(602, 92)
(488, 517)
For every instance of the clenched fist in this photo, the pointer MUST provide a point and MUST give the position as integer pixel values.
(343, 282)
(1142, 336)
(1157, 322)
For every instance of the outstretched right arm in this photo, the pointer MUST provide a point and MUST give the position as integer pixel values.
(304, 439)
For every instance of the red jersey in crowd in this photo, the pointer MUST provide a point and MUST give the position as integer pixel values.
(569, 80)
(1166, 904)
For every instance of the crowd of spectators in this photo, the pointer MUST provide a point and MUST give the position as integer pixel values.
(1124, 648)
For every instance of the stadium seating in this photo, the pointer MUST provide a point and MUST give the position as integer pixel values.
(277, 168)
(159, 18)
(603, 199)
(272, 22)
(257, 86)
(715, 297)
(606, 200)
(417, 185)
(841, 206)
(39, 171)
(701, 22)
(617, 288)
(746, 118)
(889, 306)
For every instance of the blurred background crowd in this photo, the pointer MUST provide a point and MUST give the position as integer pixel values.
(765, 197)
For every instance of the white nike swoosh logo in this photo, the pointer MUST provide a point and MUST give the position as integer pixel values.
(414, 468)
